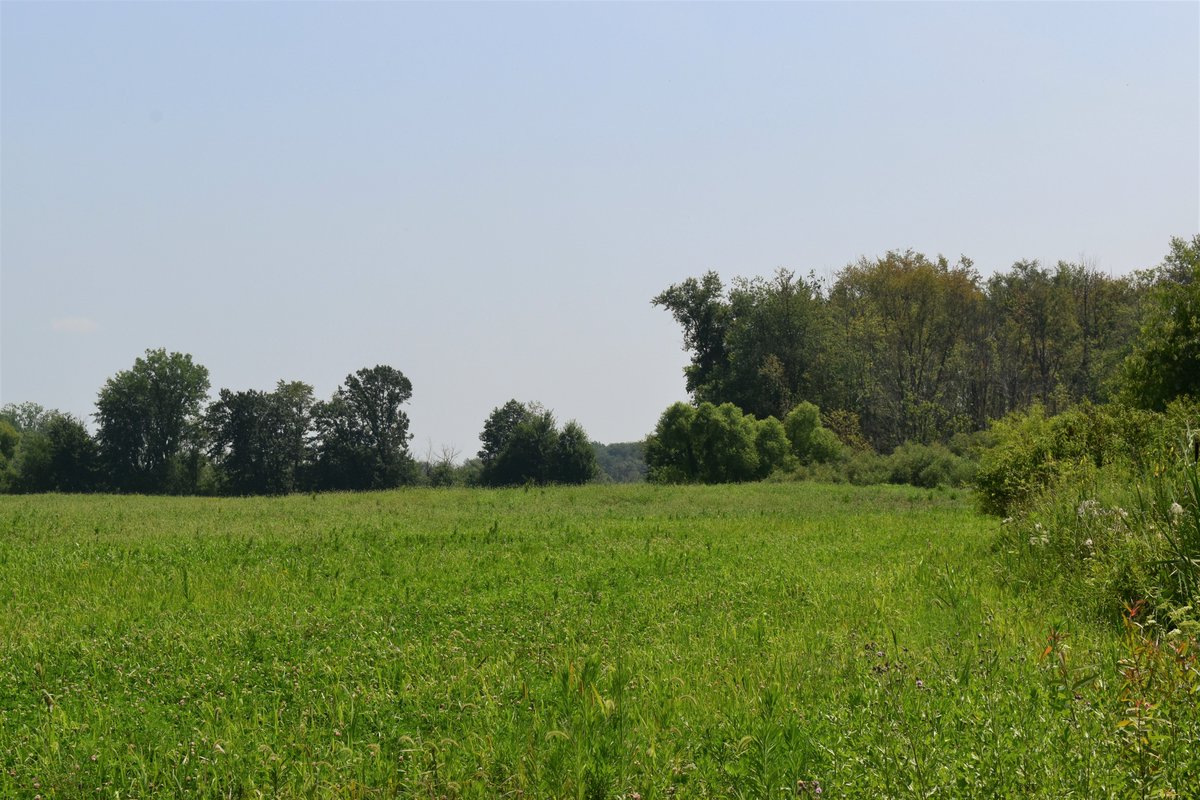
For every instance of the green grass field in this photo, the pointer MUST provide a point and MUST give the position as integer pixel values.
(738, 641)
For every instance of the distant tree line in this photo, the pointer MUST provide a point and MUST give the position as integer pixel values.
(156, 435)
(901, 354)
(908, 350)
(621, 462)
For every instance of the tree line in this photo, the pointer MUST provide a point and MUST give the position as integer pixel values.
(899, 354)
(156, 435)
(905, 348)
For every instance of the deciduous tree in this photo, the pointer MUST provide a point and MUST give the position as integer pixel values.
(362, 432)
(522, 444)
(1165, 362)
(147, 415)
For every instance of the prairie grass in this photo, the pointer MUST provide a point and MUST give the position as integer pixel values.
(760, 640)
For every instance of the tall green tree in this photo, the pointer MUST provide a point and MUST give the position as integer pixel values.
(1036, 333)
(147, 417)
(574, 457)
(258, 440)
(1106, 311)
(905, 317)
(700, 307)
(341, 460)
(1165, 362)
(59, 456)
(760, 346)
(528, 454)
(498, 429)
(522, 444)
(362, 432)
(777, 343)
(25, 416)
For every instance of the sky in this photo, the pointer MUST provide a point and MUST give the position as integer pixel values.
(488, 196)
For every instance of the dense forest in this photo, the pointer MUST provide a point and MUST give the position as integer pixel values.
(908, 348)
(891, 372)
(896, 371)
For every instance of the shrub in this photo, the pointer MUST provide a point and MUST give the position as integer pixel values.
(867, 467)
(772, 445)
(1033, 452)
(928, 466)
(811, 443)
(669, 454)
(714, 444)
(1110, 537)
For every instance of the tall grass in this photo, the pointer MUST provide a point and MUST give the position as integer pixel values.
(629, 641)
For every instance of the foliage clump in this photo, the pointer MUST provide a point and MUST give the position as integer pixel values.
(522, 444)
(812, 443)
(1034, 452)
(715, 444)
(1165, 362)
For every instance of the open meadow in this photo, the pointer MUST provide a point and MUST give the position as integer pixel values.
(601, 641)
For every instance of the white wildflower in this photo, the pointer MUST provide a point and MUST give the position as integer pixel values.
(1176, 510)
(1088, 544)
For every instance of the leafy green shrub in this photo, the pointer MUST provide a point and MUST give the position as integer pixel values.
(866, 467)
(811, 443)
(670, 457)
(928, 466)
(1115, 535)
(714, 444)
(772, 445)
(1169, 509)
(723, 439)
(1033, 452)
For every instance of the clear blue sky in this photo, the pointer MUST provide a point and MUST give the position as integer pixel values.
(487, 196)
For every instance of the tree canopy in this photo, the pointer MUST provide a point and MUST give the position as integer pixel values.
(147, 415)
(522, 444)
(908, 347)
(1165, 362)
(363, 434)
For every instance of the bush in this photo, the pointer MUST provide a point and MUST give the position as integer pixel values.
(811, 443)
(714, 444)
(1111, 537)
(1033, 453)
(1104, 504)
(670, 457)
(772, 445)
(866, 467)
(929, 466)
